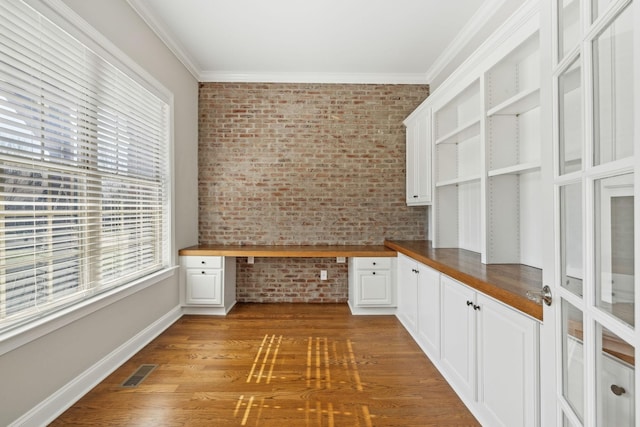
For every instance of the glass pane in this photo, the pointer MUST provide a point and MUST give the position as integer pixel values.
(568, 25)
(613, 90)
(615, 376)
(614, 234)
(571, 235)
(598, 7)
(565, 421)
(573, 358)
(570, 109)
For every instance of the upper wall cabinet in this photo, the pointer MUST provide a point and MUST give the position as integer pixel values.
(418, 166)
(486, 147)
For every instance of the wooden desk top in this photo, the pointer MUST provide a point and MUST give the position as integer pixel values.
(508, 283)
(290, 251)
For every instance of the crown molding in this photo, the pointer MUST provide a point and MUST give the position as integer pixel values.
(157, 27)
(466, 35)
(315, 77)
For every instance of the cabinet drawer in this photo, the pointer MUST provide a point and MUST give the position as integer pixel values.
(202, 261)
(372, 263)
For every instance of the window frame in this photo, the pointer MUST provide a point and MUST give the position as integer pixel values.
(69, 21)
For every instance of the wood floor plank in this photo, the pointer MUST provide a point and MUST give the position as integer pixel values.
(308, 365)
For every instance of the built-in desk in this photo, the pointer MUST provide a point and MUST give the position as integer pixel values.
(290, 251)
(209, 274)
(507, 283)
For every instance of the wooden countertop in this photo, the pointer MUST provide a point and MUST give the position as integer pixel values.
(290, 251)
(505, 282)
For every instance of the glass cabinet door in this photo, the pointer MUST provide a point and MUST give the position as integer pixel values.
(596, 124)
(613, 80)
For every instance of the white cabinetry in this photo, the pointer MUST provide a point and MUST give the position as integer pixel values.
(203, 286)
(458, 169)
(407, 293)
(419, 303)
(372, 287)
(418, 162)
(209, 284)
(486, 143)
(489, 355)
(458, 351)
(512, 88)
(429, 310)
(507, 356)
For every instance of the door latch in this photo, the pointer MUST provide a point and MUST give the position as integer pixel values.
(543, 295)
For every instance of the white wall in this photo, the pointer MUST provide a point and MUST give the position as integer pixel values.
(35, 371)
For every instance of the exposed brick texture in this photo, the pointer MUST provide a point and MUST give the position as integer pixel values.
(303, 164)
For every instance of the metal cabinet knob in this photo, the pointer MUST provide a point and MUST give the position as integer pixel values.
(204, 272)
(476, 307)
(469, 303)
(617, 390)
(374, 273)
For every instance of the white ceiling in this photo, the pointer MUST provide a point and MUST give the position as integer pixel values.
(348, 41)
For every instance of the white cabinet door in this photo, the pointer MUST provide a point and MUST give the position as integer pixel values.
(418, 159)
(408, 293)
(507, 365)
(204, 286)
(374, 287)
(458, 337)
(429, 310)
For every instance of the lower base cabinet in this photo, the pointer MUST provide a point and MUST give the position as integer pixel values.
(507, 357)
(372, 285)
(208, 284)
(407, 311)
(486, 350)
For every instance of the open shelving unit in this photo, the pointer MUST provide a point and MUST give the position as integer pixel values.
(487, 150)
(458, 146)
(512, 94)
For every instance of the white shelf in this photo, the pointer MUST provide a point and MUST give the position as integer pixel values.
(516, 169)
(517, 104)
(456, 181)
(465, 131)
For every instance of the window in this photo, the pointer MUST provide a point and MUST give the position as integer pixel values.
(84, 173)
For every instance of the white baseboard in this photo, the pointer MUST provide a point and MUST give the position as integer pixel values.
(371, 311)
(50, 408)
(208, 311)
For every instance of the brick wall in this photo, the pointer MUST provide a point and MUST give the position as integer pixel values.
(303, 164)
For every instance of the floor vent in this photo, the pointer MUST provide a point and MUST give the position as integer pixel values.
(139, 375)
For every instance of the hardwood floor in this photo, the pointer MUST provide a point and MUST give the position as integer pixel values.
(279, 365)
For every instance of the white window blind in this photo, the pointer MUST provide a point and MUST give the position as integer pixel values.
(83, 171)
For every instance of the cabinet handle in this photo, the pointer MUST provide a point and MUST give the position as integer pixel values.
(415, 196)
(374, 273)
(617, 390)
(476, 307)
(374, 263)
(415, 271)
(469, 303)
(204, 272)
(203, 262)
